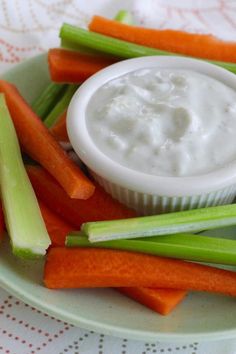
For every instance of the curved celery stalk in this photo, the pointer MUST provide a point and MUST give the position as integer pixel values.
(181, 246)
(164, 224)
(46, 101)
(117, 47)
(61, 106)
(26, 228)
(124, 16)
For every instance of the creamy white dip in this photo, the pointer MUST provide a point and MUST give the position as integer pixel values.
(165, 122)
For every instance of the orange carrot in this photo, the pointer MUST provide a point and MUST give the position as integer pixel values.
(162, 301)
(192, 44)
(2, 224)
(59, 130)
(101, 206)
(57, 228)
(38, 142)
(74, 67)
(91, 268)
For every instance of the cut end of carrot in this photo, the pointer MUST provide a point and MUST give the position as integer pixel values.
(162, 301)
(82, 193)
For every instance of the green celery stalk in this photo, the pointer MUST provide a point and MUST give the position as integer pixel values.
(181, 246)
(61, 106)
(164, 224)
(124, 16)
(105, 44)
(66, 44)
(46, 101)
(26, 228)
(117, 47)
(228, 66)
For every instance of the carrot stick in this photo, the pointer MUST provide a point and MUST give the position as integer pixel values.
(192, 44)
(39, 143)
(59, 130)
(92, 268)
(162, 301)
(57, 228)
(74, 67)
(101, 206)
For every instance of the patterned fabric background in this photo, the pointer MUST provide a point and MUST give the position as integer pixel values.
(29, 27)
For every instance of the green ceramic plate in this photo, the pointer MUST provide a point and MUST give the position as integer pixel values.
(201, 316)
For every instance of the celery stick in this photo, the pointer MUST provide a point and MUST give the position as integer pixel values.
(105, 44)
(125, 17)
(182, 246)
(117, 47)
(46, 101)
(79, 48)
(61, 106)
(164, 224)
(26, 228)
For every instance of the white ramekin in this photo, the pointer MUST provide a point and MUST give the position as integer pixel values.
(149, 194)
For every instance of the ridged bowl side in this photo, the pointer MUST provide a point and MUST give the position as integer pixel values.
(147, 204)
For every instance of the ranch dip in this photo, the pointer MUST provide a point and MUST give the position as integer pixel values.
(165, 122)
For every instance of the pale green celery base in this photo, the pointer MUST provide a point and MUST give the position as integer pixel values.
(36, 250)
(26, 253)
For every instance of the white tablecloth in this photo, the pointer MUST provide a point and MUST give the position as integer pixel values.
(30, 27)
